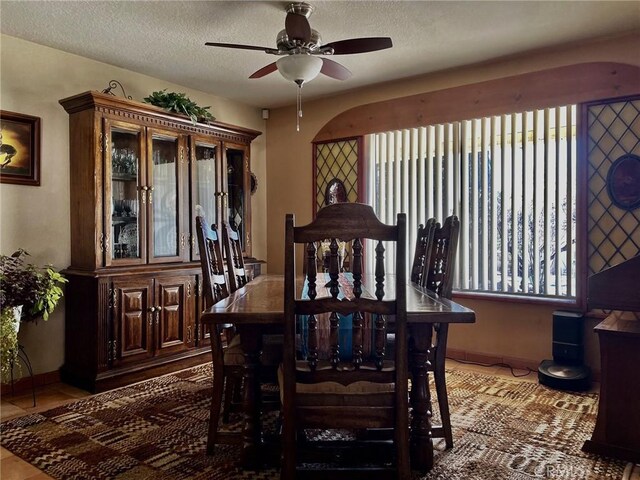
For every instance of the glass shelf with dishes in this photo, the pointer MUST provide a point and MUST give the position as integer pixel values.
(125, 179)
(124, 223)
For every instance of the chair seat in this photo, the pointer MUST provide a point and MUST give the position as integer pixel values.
(271, 351)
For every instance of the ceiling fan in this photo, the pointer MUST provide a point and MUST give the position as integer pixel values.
(301, 50)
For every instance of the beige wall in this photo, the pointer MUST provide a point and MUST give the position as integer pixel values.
(502, 329)
(33, 79)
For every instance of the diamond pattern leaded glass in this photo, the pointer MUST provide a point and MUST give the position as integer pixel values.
(337, 160)
(613, 233)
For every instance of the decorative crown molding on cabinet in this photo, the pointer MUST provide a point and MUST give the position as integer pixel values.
(154, 116)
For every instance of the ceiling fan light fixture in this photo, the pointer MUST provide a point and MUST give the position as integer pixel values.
(299, 67)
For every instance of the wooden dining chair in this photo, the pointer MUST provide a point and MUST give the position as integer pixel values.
(228, 359)
(233, 253)
(271, 355)
(438, 277)
(422, 252)
(358, 391)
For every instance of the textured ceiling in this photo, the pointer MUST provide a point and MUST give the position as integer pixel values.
(165, 39)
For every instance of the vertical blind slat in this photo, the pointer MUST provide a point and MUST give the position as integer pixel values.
(570, 205)
(431, 191)
(474, 215)
(524, 147)
(422, 161)
(494, 204)
(438, 171)
(547, 207)
(503, 201)
(464, 210)
(558, 206)
(412, 207)
(536, 188)
(514, 203)
(390, 181)
(485, 207)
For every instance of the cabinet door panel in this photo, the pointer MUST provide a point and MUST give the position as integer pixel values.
(124, 209)
(237, 178)
(175, 301)
(133, 320)
(167, 239)
(203, 336)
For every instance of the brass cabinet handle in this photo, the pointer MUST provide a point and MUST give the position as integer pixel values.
(150, 195)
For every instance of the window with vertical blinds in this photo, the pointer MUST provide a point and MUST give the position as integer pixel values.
(511, 180)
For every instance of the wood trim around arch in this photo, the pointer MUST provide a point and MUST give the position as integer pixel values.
(577, 83)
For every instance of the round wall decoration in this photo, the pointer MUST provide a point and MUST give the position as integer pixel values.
(623, 182)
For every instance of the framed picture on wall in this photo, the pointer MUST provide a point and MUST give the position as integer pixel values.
(19, 148)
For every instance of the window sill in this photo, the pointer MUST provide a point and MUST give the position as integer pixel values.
(571, 303)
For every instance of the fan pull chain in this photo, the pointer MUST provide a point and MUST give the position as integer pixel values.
(298, 106)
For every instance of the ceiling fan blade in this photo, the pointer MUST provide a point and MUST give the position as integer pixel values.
(334, 70)
(297, 27)
(242, 47)
(359, 45)
(265, 71)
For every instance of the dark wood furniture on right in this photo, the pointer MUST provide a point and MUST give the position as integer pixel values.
(617, 430)
(348, 390)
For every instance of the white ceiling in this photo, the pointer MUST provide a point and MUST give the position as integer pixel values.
(165, 39)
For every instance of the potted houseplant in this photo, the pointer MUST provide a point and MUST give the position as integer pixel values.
(181, 104)
(27, 293)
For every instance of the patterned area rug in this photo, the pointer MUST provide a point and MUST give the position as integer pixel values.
(503, 429)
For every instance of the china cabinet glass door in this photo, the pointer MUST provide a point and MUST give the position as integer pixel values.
(167, 241)
(238, 193)
(125, 173)
(207, 188)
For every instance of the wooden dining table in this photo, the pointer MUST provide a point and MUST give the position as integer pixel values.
(258, 309)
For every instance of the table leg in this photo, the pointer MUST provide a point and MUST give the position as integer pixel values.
(421, 441)
(251, 339)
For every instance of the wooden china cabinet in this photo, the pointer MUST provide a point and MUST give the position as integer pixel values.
(139, 176)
